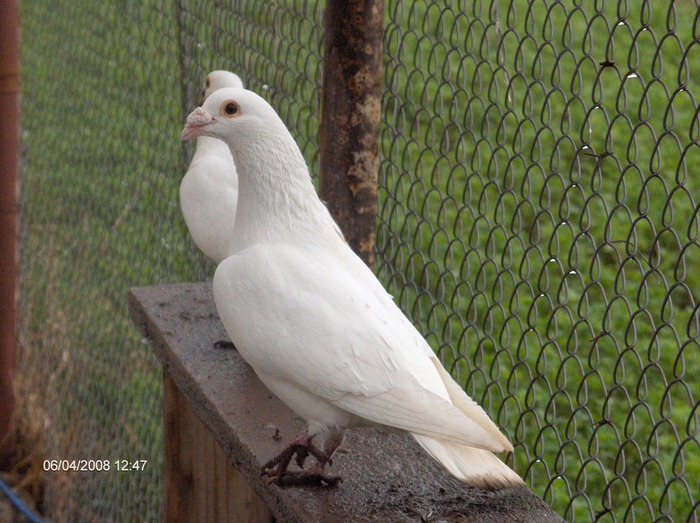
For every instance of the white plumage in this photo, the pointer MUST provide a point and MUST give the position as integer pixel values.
(209, 189)
(313, 321)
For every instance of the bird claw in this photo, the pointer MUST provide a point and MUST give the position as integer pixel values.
(302, 454)
(276, 468)
(303, 478)
(296, 478)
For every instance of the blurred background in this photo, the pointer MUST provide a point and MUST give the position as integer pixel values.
(537, 221)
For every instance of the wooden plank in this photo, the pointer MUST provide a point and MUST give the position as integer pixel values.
(221, 480)
(201, 483)
(178, 479)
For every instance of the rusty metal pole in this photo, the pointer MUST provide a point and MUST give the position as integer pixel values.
(9, 215)
(350, 112)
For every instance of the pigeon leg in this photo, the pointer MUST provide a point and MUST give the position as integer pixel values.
(302, 446)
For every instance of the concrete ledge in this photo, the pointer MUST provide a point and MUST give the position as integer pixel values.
(387, 477)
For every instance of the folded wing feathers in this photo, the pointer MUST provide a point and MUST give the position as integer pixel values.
(422, 412)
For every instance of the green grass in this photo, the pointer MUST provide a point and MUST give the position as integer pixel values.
(537, 222)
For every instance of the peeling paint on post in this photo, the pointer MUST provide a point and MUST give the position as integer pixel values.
(350, 113)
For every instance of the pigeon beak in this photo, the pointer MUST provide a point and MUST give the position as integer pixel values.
(196, 124)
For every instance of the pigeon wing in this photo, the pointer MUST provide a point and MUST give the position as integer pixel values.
(318, 318)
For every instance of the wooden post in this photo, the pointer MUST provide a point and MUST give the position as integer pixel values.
(350, 113)
(201, 483)
(9, 215)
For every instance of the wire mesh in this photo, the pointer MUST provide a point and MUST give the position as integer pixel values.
(274, 47)
(100, 167)
(537, 221)
(106, 86)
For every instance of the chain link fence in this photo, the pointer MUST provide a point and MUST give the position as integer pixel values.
(537, 221)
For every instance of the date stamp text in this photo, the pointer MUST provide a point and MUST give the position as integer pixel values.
(95, 465)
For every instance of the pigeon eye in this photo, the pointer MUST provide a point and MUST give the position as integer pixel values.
(206, 83)
(230, 109)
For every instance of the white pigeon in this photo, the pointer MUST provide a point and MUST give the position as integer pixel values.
(314, 322)
(209, 190)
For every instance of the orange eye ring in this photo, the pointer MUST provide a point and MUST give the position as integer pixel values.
(230, 109)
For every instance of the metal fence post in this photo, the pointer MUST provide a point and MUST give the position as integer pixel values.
(350, 113)
(9, 214)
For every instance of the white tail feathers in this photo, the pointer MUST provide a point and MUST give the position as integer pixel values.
(478, 468)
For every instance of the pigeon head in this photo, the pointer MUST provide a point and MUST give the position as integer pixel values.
(218, 80)
(232, 115)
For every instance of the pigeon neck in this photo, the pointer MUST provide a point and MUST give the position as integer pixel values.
(207, 145)
(277, 201)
